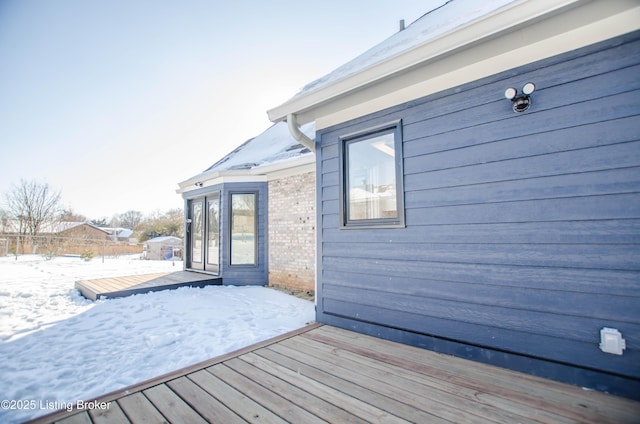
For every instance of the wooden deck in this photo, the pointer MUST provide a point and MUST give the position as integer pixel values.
(134, 284)
(324, 374)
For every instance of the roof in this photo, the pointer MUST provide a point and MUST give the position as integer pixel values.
(272, 150)
(273, 145)
(119, 231)
(59, 227)
(125, 232)
(163, 239)
(52, 227)
(459, 42)
(451, 14)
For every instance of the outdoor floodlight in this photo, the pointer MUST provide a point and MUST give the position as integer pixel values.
(521, 102)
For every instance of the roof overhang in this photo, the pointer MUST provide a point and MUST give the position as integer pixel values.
(281, 169)
(517, 34)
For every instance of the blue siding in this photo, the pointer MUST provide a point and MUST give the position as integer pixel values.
(239, 275)
(245, 275)
(522, 235)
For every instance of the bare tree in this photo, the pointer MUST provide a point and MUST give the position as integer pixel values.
(69, 215)
(32, 205)
(4, 221)
(157, 224)
(130, 219)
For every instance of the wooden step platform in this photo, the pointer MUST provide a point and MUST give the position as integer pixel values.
(135, 284)
(323, 374)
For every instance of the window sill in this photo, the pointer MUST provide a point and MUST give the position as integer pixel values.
(371, 226)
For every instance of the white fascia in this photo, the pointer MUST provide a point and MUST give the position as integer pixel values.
(288, 168)
(217, 178)
(272, 171)
(521, 33)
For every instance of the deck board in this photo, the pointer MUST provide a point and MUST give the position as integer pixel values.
(327, 374)
(248, 409)
(350, 397)
(114, 287)
(202, 402)
(275, 402)
(450, 400)
(410, 405)
(174, 409)
(486, 382)
(324, 374)
(140, 409)
(81, 418)
(321, 406)
(113, 415)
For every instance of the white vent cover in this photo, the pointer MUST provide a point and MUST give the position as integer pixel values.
(611, 341)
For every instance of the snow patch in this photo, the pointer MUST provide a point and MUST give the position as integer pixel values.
(452, 15)
(57, 346)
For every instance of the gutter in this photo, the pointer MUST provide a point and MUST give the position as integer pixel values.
(294, 129)
(500, 22)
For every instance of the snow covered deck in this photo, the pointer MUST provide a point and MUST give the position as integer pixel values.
(324, 374)
(133, 284)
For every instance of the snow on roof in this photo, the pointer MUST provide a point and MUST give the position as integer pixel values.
(449, 16)
(161, 239)
(58, 227)
(125, 232)
(273, 145)
(119, 231)
(13, 226)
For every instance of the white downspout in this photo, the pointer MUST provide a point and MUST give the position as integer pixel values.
(292, 122)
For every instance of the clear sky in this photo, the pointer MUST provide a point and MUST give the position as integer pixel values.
(114, 102)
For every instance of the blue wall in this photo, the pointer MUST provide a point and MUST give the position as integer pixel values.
(245, 275)
(522, 235)
(239, 275)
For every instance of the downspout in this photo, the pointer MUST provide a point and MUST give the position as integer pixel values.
(292, 122)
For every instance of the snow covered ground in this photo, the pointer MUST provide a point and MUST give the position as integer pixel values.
(56, 346)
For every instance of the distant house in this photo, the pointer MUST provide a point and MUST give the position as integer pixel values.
(56, 237)
(67, 229)
(78, 230)
(163, 248)
(251, 215)
(120, 234)
(465, 210)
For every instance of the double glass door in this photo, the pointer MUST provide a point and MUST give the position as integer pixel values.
(203, 233)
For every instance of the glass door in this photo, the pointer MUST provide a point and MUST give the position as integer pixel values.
(195, 228)
(213, 233)
(203, 233)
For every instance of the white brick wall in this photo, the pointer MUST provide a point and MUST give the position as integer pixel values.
(292, 223)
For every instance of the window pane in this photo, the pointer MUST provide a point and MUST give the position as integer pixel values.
(243, 228)
(371, 179)
(213, 237)
(196, 231)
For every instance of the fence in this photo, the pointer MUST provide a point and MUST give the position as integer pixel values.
(51, 246)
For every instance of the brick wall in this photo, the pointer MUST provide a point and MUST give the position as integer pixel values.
(292, 223)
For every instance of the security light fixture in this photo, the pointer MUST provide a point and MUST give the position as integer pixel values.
(510, 93)
(528, 88)
(521, 102)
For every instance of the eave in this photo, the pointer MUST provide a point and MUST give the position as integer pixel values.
(517, 34)
(280, 169)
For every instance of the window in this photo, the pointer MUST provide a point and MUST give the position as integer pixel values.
(371, 175)
(196, 231)
(213, 232)
(243, 229)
